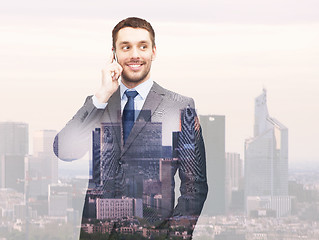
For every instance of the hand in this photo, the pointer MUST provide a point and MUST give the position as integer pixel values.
(110, 75)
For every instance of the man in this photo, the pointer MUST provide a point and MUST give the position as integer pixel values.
(126, 125)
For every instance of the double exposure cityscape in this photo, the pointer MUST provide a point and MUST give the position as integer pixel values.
(258, 196)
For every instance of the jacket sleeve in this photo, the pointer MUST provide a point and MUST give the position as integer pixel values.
(192, 171)
(72, 142)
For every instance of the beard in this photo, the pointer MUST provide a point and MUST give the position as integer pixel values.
(135, 77)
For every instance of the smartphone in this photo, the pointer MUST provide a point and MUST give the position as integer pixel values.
(114, 54)
(114, 59)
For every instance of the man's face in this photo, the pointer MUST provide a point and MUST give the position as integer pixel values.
(135, 54)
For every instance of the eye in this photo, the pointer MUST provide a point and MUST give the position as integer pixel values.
(125, 47)
(143, 47)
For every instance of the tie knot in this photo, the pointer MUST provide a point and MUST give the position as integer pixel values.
(130, 94)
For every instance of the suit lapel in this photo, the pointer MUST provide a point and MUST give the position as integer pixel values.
(114, 114)
(152, 101)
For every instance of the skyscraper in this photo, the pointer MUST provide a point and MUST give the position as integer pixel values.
(234, 169)
(14, 145)
(43, 141)
(42, 167)
(214, 136)
(14, 138)
(96, 156)
(266, 155)
(234, 180)
(42, 148)
(166, 177)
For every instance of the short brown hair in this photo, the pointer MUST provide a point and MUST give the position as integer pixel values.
(133, 22)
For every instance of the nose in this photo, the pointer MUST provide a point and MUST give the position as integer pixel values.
(135, 53)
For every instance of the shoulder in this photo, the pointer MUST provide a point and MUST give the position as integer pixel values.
(173, 97)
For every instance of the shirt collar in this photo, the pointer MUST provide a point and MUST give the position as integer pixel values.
(143, 89)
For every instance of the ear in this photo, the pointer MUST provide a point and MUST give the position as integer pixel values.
(153, 53)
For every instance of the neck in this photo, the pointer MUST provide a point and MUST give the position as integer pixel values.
(130, 84)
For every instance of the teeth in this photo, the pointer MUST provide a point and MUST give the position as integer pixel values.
(135, 66)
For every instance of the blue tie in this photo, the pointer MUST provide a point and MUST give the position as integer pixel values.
(128, 117)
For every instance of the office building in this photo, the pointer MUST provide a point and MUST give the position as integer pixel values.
(96, 157)
(167, 171)
(234, 180)
(113, 208)
(14, 146)
(266, 158)
(43, 142)
(14, 138)
(42, 166)
(213, 127)
(234, 166)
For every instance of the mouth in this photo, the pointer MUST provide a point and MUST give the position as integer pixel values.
(135, 66)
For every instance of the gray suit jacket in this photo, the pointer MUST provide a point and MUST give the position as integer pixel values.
(165, 114)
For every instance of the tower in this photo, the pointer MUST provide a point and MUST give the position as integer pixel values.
(42, 149)
(14, 146)
(166, 178)
(266, 157)
(214, 136)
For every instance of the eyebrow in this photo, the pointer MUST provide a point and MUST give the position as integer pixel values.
(127, 42)
(124, 42)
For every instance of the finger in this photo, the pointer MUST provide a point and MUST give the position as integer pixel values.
(113, 67)
(117, 75)
(119, 68)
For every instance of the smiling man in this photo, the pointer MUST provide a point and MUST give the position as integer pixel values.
(132, 190)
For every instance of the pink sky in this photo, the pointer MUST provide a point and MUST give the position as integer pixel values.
(221, 53)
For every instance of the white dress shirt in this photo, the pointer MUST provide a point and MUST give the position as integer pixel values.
(142, 89)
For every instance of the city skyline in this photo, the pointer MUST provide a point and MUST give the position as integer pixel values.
(60, 195)
(292, 164)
